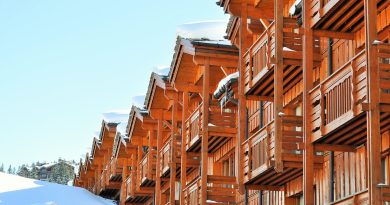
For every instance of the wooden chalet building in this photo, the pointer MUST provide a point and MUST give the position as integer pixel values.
(294, 110)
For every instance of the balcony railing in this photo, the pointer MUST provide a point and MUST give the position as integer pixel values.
(220, 189)
(259, 148)
(221, 123)
(194, 126)
(130, 184)
(147, 167)
(192, 193)
(384, 72)
(115, 169)
(166, 153)
(260, 56)
(338, 98)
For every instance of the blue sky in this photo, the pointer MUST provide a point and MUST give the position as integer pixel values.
(65, 62)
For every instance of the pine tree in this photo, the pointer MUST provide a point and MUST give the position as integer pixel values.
(34, 171)
(62, 172)
(2, 167)
(9, 169)
(23, 171)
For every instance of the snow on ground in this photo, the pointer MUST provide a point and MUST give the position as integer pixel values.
(118, 116)
(212, 30)
(16, 190)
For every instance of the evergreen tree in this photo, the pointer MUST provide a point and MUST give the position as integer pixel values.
(62, 172)
(2, 167)
(23, 171)
(34, 171)
(9, 169)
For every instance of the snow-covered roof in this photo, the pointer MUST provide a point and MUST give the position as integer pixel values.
(162, 70)
(293, 8)
(225, 81)
(117, 116)
(23, 191)
(138, 101)
(212, 30)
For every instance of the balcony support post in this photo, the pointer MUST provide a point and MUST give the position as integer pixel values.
(183, 176)
(278, 84)
(373, 114)
(173, 149)
(244, 44)
(158, 162)
(205, 134)
(308, 153)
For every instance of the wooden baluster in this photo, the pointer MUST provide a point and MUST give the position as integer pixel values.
(323, 104)
(353, 89)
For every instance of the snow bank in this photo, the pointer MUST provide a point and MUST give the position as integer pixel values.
(16, 190)
(212, 30)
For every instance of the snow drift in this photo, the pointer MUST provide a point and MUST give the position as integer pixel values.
(16, 190)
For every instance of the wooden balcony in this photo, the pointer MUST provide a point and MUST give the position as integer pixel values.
(115, 170)
(147, 169)
(342, 15)
(166, 156)
(106, 187)
(220, 190)
(260, 59)
(339, 102)
(221, 127)
(258, 157)
(134, 194)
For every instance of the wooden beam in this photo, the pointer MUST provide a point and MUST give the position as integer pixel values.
(235, 9)
(278, 84)
(183, 172)
(188, 88)
(173, 150)
(335, 148)
(263, 187)
(334, 34)
(244, 45)
(373, 114)
(222, 61)
(158, 160)
(205, 136)
(308, 152)
(260, 98)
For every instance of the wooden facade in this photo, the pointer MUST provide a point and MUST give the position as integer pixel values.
(296, 110)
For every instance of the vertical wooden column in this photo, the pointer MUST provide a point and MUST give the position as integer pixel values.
(205, 134)
(373, 114)
(139, 158)
(183, 177)
(150, 156)
(158, 164)
(173, 148)
(244, 45)
(124, 182)
(308, 152)
(278, 84)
